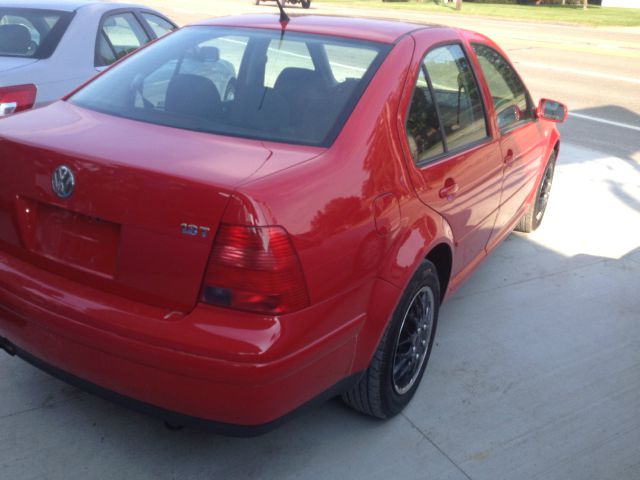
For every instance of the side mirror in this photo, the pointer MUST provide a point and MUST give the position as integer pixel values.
(552, 110)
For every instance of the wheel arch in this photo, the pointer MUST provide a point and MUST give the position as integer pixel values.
(428, 239)
(442, 258)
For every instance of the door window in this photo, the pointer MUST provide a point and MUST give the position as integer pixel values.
(120, 35)
(446, 110)
(457, 96)
(158, 24)
(510, 97)
(423, 127)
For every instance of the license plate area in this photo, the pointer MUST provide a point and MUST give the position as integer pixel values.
(85, 242)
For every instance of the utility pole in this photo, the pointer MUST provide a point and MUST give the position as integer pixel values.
(584, 4)
(459, 4)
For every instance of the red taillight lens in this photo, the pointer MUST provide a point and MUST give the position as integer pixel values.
(17, 98)
(255, 269)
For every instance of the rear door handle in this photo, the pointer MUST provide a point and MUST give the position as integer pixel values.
(449, 190)
(509, 158)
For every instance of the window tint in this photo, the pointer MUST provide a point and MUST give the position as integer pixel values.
(182, 81)
(510, 97)
(30, 32)
(423, 128)
(282, 54)
(457, 96)
(120, 35)
(348, 62)
(214, 60)
(158, 24)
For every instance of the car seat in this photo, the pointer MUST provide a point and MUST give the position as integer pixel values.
(193, 96)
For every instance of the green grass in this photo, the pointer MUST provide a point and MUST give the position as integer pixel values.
(596, 16)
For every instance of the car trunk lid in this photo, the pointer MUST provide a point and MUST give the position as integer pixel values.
(11, 63)
(144, 209)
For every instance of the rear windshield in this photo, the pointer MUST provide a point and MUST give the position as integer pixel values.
(250, 83)
(31, 33)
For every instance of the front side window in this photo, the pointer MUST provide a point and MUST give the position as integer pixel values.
(240, 82)
(510, 97)
(120, 35)
(32, 33)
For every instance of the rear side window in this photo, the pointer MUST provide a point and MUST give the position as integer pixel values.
(457, 96)
(510, 97)
(31, 33)
(158, 24)
(119, 35)
(423, 127)
(243, 82)
(446, 112)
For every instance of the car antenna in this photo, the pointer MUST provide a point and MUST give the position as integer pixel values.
(284, 18)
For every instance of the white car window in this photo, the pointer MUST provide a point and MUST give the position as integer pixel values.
(158, 24)
(120, 35)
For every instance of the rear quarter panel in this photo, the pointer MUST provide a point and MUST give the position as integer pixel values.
(327, 204)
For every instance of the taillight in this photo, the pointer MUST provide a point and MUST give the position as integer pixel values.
(255, 269)
(17, 98)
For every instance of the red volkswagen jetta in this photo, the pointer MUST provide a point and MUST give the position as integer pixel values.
(226, 258)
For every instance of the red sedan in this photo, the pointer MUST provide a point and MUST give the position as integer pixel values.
(227, 259)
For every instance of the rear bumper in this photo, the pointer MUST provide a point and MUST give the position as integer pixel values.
(176, 418)
(212, 368)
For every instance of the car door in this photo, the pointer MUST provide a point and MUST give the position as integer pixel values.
(120, 33)
(457, 166)
(521, 136)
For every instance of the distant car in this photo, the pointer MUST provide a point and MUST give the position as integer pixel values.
(304, 3)
(232, 259)
(50, 47)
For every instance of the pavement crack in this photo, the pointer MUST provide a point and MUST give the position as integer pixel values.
(46, 406)
(435, 445)
(533, 278)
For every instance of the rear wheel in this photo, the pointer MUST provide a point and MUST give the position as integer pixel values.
(533, 218)
(399, 362)
(306, 3)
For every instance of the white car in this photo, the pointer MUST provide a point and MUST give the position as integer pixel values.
(49, 48)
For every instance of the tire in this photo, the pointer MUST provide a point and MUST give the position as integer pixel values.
(257, 2)
(394, 374)
(306, 3)
(533, 218)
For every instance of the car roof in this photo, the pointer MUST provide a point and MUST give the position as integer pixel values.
(384, 31)
(63, 5)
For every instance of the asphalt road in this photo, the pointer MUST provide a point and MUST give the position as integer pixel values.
(535, 370)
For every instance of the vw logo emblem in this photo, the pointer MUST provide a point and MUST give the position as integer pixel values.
(63, 181)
